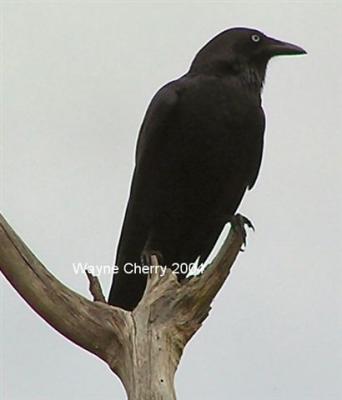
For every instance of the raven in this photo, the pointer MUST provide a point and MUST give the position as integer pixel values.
(199, 149)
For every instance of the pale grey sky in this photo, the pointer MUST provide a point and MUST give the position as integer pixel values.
(77, 78)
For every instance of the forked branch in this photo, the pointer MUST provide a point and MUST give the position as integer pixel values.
(142, 347)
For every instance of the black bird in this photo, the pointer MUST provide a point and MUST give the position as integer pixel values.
(198, 151)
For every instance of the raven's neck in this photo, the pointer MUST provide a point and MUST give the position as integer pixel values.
(251, 76)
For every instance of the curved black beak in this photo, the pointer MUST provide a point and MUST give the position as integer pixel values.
(278, 48)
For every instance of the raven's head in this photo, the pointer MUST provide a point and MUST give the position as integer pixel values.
(241, 50)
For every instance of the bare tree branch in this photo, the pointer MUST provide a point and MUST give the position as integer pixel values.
(142, 347)
(95, 287)
(85, 323)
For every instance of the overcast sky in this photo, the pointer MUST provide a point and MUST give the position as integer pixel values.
(77, 78)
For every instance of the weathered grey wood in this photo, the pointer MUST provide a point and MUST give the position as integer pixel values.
(143, 348)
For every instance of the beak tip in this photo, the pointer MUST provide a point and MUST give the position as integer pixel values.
(284, 48)
(301, 51)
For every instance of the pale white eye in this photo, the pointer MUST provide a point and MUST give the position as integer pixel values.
(255, 38)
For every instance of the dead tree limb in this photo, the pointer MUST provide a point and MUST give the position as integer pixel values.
(142, 347)
(95, 287)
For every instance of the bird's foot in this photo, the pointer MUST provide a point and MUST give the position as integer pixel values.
(238, 223)
(150, 257)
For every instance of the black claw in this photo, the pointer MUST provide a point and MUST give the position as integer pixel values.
(238, 223)
(248, 222)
